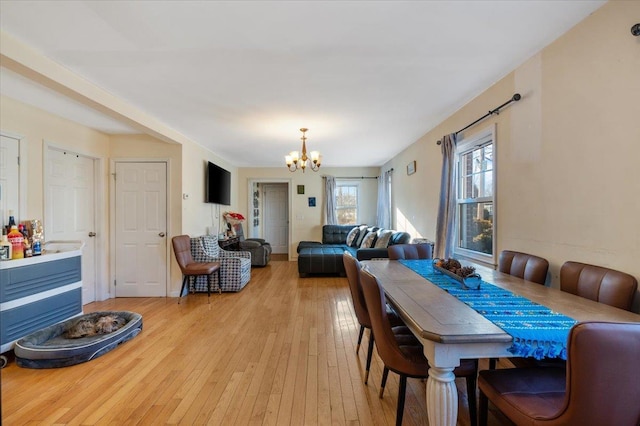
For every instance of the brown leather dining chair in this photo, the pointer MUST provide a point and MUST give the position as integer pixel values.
(527, 266)
(598, 387)
(189, 268)
(593, 282)
(410, 251)
(597, 283)
(352, 268)
(404, 354)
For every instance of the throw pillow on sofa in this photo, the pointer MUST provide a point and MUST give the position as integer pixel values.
(369, 240)
(384, 235)
(362, 232)
(352, 236)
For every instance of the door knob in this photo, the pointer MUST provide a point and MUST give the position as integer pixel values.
(92, 234)
(161, 234)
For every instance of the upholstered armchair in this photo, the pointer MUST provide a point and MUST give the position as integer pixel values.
(260, 249)
(235, 266)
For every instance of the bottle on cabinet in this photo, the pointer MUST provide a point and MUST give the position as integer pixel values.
(5, 247)
(16, 239)
(28, 252)
(12, 221)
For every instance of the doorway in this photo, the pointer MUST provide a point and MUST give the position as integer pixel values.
(269, 212)
(139, 207)
(276, 216)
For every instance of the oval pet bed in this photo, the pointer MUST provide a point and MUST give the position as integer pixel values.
(77, 340)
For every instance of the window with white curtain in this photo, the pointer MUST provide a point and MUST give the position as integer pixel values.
(475, 196)
(347, 202)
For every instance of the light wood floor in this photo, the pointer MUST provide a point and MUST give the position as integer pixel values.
(280, 352)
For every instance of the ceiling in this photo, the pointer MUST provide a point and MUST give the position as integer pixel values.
(241, 77)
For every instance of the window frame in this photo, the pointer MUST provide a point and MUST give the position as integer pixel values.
(484, 137)
(356, 184)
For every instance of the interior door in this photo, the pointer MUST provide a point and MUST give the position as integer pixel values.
(70, 209)
(276, 216)
(140, 229)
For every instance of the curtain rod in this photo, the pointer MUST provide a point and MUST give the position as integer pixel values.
(353, 177)
(496, 111)
(357, 177)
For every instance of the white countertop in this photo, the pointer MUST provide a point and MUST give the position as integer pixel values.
(52, 250)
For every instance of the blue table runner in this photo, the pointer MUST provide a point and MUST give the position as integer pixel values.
(537, 331)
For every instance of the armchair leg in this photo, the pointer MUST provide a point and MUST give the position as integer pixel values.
(184, 284)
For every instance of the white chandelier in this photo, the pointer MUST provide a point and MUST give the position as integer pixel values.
(295, 162)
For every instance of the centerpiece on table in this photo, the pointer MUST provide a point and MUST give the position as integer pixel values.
(232, 219)
(465, 275)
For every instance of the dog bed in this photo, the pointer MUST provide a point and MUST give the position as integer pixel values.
(73, 341)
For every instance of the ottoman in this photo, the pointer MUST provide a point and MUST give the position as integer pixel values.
(320, 260)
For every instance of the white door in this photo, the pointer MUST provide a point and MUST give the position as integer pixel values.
(140, 229)
(276, 216)
(9, 178)
(69, 206)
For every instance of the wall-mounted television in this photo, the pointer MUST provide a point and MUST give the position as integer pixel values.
(217, 184)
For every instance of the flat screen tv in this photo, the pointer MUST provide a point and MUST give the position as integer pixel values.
(217, 185)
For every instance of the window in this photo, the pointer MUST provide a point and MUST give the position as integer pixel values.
(347, 203)
(475, 203)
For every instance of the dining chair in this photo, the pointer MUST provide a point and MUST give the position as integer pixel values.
(598, 387)
(404, 354)
(191, 269)
(526, 266)
(523, 265)
(352, 267)
(597, 283)
(410, 251)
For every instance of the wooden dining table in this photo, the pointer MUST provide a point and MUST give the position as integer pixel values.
(450, 330)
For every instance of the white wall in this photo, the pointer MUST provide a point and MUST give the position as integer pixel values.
(568, 179)
(199, 217)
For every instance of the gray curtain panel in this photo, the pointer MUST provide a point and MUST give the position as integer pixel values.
(384, 201)
(330, 200)
(446, 209)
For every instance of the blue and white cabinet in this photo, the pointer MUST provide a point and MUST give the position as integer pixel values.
(39, 291)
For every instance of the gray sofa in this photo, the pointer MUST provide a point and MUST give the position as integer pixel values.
(365, 243)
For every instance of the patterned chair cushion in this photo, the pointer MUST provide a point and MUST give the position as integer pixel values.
(235, 266)
(210, 245)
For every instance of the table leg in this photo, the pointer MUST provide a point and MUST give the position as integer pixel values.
(442, 397)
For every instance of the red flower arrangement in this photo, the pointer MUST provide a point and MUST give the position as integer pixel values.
(233, 218)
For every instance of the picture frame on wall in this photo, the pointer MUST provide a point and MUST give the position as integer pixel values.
(300, 189)
(411, 167)
(312, 201)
